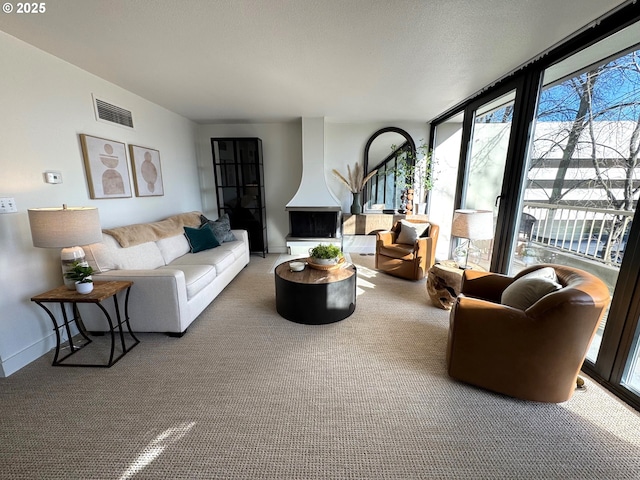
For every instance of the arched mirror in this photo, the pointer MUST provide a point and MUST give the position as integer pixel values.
(382, 151)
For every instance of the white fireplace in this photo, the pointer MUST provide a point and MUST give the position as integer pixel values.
(315, 215)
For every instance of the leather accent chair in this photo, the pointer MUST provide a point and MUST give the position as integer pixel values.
(533, 354)
(410, 261)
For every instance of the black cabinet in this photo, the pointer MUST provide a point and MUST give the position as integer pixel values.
(237, 163)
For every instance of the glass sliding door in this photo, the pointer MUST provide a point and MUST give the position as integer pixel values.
(447, 144)
(631, 377)
(553, 150)
(486, 161)
(582, 181)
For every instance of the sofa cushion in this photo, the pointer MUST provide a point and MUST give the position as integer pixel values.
(528, 289)
(196, 277)
(217, 257)
(109, 255)
(237, 248)
(221, 228)
(201, 238)
(173, 247)
(411, 231)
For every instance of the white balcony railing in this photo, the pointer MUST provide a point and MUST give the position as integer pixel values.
(595, 233)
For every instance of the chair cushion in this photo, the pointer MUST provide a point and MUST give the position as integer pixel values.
(411, 231)
(528, 289)
(401, 252)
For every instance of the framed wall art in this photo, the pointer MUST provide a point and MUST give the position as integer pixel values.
(106, 166)
(147, 174)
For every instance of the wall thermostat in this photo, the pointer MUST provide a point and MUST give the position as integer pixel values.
(53, 177)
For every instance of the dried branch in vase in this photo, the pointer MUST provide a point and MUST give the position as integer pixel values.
(356, 180)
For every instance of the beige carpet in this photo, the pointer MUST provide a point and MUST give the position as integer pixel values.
(246, 394)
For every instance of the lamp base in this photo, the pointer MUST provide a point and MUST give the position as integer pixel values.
(68, 256)
(465, 253)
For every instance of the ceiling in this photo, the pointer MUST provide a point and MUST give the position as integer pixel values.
(221, 61)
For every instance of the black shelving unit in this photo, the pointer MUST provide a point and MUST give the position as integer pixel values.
(239, 172)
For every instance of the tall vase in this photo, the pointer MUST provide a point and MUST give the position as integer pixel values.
(356, 206)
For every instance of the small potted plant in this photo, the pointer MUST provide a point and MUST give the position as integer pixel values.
(80, 272)
(325, 254)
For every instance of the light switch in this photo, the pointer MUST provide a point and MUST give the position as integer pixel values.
(8, 205)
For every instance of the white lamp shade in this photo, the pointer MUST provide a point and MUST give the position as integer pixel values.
(64, 227)
(473, 224)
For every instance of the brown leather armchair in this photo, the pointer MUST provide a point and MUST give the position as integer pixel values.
(410, 261)
(533, 354)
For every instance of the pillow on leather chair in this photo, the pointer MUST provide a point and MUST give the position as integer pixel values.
(410, 231)
(528, 289)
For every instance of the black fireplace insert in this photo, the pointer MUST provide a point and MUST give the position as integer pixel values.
(315, 224)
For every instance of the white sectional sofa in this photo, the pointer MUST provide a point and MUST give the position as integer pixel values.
(171, 285)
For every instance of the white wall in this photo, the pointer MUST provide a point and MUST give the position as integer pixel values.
(282, 155)
(46, 104)
(282, 152)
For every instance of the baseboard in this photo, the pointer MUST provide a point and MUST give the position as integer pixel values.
(23, 358)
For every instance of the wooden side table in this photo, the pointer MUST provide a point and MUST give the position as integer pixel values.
(101, 291)
(444, 281)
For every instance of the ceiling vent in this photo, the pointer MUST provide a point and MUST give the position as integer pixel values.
(108, 112)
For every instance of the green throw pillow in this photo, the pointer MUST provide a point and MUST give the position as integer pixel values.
(221, 228)
(201, 238)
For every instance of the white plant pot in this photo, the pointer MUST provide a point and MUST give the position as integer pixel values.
(84, 287)
(325, 261)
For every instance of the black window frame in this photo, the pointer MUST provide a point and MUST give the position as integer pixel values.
(624, 314)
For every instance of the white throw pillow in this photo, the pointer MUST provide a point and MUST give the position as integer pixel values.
(530, 288)
(410, 231)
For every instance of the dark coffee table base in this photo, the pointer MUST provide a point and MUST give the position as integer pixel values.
(316, 303)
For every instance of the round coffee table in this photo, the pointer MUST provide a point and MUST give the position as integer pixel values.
(315, 297)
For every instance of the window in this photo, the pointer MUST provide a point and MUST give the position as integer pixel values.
(571, 177)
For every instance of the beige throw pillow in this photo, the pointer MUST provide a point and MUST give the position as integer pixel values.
(530, 288)
(410, 231)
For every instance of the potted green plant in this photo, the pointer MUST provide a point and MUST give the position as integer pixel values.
(413, 170)
(80, 272)
(325, 254)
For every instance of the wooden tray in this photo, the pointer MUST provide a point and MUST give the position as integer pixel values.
(325, 267)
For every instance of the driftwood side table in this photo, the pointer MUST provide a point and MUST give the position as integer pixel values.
(444, 280)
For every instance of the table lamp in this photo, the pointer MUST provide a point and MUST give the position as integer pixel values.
(472, 225)
(66, 228)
